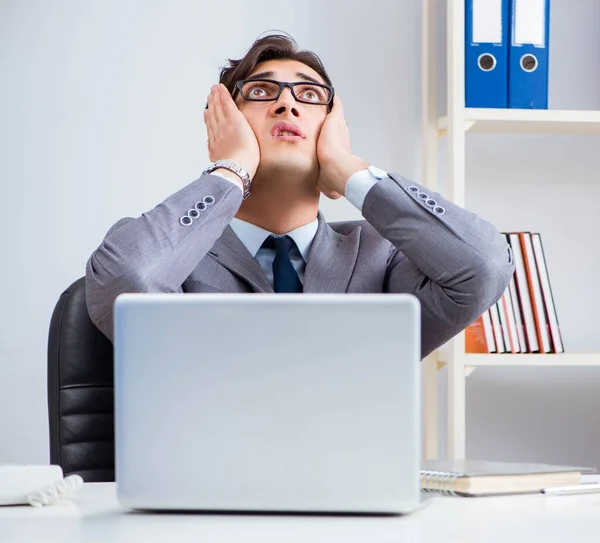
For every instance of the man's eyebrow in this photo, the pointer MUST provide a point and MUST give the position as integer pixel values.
(307, 78)
(261, 75)
(299, 75)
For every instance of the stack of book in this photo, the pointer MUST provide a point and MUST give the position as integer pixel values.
(524, 319)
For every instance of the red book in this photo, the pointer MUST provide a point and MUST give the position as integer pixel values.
(537, 301)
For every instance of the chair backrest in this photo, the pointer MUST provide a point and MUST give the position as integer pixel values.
(80, 390)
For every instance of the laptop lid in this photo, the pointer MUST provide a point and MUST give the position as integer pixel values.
(269, 402)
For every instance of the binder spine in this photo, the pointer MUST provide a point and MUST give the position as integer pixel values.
(486, 53)
(438, 482)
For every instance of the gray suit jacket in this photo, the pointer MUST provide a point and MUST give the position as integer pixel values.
(457, 264)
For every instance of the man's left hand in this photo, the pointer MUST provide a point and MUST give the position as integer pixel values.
(336, 161)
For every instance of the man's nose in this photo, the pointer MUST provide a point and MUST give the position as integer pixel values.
(285, 101)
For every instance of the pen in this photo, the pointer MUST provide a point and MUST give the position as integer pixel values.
(584, 488)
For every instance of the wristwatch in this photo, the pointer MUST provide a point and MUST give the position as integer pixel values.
(235, 168)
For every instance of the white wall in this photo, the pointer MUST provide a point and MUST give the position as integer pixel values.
(102, 117)
(101, 106)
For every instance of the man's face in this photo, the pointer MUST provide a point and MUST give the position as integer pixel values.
(278, 152)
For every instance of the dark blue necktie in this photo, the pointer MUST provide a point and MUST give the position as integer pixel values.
(285, 278)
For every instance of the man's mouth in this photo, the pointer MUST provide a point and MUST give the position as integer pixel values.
(288, 136)
(287, 131)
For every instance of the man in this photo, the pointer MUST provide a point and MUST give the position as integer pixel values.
(253, 224)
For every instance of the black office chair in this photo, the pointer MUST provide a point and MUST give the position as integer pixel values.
(80, 390)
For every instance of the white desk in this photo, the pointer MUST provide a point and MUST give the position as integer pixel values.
(94, 515)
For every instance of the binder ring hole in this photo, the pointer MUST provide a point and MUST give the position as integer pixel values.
(529, 63)
(486, 62)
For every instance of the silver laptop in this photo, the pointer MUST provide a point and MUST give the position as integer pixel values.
(268, 402)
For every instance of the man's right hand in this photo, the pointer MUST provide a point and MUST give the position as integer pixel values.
(230, 136)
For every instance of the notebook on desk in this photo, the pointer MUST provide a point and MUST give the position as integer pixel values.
(484, 478)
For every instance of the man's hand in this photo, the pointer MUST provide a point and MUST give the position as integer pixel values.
(336, 161)
(230, 136)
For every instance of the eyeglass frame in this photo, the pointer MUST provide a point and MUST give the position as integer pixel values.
(283, 85)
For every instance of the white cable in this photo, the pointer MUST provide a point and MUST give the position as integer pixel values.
(64, 488)
(37, 485)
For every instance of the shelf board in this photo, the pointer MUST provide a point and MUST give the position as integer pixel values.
(558, 360)
(527, 121)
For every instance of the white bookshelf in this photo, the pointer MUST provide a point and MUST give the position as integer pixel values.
(454, 127)
(548, 360)
(524, 121)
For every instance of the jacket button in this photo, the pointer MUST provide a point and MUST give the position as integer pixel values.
(200, 206)
(431, 203)
(185, 220)
(423, 196)
(193, 213)
(413, 189)
(208, 200)
(439, 210)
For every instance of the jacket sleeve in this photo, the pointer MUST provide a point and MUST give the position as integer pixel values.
(456, 264)
(156, 252)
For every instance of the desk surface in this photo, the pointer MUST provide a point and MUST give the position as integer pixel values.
(94, 515)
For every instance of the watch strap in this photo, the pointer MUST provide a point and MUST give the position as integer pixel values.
(235, 168)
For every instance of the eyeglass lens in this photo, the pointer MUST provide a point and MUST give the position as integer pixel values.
(266, 90)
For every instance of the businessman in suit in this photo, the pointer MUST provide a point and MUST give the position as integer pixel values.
(277, 139)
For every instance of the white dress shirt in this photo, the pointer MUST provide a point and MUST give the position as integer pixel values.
(253, 236)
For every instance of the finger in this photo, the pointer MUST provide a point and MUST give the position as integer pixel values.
(337, 104)
(228, 106)
(209, 121)
(227, 102)
(215, 105)
(208, 148)
(219, 103)
(210, 131)
(210, 99)
(214, 120)
(209, 112)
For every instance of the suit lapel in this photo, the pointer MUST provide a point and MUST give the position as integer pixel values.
(231, 253)
(330, 265)
(331, 259)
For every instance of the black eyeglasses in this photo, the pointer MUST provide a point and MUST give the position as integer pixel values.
(268, 90)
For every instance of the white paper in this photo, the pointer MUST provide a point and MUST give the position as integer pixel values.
(487, 21)
(530, 22)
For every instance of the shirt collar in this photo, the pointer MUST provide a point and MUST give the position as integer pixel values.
(253, 236)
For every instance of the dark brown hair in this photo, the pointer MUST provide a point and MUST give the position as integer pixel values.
(273, 47)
